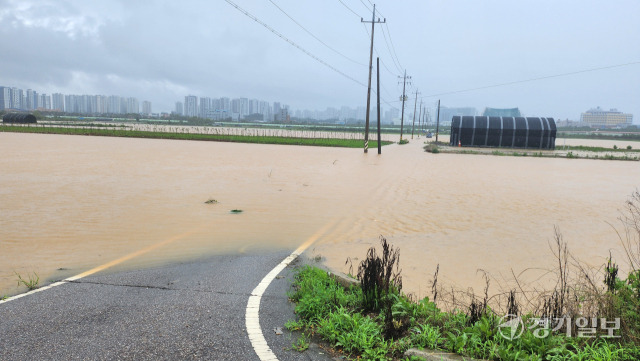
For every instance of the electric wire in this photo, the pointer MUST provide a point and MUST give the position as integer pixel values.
(315, 37)
(292, 43)
(345, 5)
(376, 50)
(365, 5)
(395, 61)
(534, 79)
(393, 46)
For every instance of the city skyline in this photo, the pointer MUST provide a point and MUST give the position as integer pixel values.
(576, 55)
(245, 108)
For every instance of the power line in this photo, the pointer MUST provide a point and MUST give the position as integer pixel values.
(365, 5)
(534, 79)
(315, 37)
(292, 43)
(345, 5)
(395, 61)
(392, 46)
(376, 50)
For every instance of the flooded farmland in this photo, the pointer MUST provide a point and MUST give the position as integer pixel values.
(71, 203)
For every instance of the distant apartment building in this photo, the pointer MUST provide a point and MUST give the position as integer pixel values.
(498, 112)
(5, 98)
(57, 102)
(146, 107)
(204, 110)
(191, 106)
(179, 108)
(17, 96)
(447, 113)
(600, 118)
(44, 102)
(32, 100)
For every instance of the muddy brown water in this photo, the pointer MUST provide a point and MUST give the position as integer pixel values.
(71, 203)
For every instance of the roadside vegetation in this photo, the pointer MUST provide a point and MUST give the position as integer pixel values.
(183, 135)
(571, 152)
(588, 315)
(31, 282)
(623, 135)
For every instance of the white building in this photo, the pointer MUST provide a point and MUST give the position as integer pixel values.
(600, 118)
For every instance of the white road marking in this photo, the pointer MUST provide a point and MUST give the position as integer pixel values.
(252, 314)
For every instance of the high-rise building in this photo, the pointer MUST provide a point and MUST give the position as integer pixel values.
(179, 108)
(44, 102)
(225, 104)
(32, 99)
(191, 106)
(146, 107)
(132, 106)
(57, 101)
(446, 113)
(205, 107)
(113, 105)
(5, 98)
(244, 107)
(600, 118)
(276, 111)
(16, 98)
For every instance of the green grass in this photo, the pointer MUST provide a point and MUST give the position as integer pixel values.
(31, 283)
(336, 314)
(431, 148)
(114, 132)
(630, 136)
(301, 345)
(600, 149)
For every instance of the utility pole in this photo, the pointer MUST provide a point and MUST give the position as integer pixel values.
(403, 98)
(414, 113)
(378, 107)
(366, 127)
(414, 123)
(438, 122)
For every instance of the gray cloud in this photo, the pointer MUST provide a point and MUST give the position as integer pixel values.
(162, 51)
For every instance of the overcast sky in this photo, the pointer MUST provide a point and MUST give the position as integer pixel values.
(163, 50)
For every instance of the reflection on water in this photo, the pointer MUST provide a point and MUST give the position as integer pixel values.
(70, 203)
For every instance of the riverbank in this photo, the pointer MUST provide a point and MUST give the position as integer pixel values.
(570, 152)
(235, 138)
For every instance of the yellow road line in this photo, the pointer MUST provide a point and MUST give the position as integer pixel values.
(130, 256)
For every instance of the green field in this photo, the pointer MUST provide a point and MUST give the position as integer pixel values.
(321, 142)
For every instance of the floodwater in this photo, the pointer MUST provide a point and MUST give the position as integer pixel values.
(71, 203)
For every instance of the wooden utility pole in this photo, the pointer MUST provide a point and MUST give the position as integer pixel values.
(414, 123)
(366, 127)
(438, 121)
(414, 113)
(403, 98)
(378, 107)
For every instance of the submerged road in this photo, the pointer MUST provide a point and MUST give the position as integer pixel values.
(187, 311)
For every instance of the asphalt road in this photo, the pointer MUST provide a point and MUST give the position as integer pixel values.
(186, 311)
